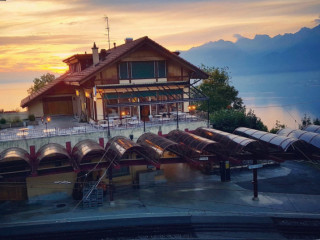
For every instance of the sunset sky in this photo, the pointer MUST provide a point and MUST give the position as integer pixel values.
(36, 35)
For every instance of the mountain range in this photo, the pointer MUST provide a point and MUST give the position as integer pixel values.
(299, 51)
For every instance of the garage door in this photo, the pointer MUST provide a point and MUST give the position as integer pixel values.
(11, 191)
(58, 106)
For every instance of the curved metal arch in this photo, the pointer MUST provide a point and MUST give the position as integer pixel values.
(282, 143)
(51, 150)
(14, 159)
(117, 147)
(311, 138)
(14, 153)
(86, 148)
(195, 142)
(159, 145)
(312, 128)
(231, 142)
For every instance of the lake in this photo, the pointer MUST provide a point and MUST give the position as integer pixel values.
(11, 95)
(281, 96)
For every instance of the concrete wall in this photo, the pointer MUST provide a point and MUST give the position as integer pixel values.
(44, 187)
(36, 108)
(11, 116)
(74, 139)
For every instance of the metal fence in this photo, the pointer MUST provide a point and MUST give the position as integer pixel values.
(26, 133)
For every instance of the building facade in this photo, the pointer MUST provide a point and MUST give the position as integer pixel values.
(137, 79)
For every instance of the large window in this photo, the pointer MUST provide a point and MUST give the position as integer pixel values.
(142, 70)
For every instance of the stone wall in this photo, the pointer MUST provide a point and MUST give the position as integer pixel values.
(75, 138)
(10, 116)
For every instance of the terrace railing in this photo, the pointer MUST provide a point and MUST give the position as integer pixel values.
(25, 133)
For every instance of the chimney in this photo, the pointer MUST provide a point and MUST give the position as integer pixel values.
(127, 40)
(103, 54)
(114, 45)
(95, 55)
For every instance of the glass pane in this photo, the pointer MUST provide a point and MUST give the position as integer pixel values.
(162, 69)
(123, 70)
(142, 70)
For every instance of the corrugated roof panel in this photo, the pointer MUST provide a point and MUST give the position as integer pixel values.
(312, 128)
(309, 137)
(231, 142)
(12, 154)
(86, 147)
(119, 146)
(160, 145)
(284, 143)
(51, 150)
(195, 142)
(14, 160)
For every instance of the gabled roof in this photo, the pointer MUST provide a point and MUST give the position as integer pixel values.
(123, 50)
(44, 89)
(79, 57)
(114, 55)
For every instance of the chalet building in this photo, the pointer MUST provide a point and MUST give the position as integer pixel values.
(139, 78)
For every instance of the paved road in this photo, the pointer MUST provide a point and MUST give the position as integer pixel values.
(285, 192)
(301, 178)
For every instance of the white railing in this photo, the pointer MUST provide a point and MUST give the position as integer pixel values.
(25, 133)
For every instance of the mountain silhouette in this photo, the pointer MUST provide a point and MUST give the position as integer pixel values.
(299, 51)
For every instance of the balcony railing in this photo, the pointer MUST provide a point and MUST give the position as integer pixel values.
(101, 126)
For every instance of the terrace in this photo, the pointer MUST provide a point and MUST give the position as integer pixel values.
(66, 125)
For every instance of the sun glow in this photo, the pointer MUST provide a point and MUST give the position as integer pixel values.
(37, 35)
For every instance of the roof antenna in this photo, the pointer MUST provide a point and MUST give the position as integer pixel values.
(108, 30)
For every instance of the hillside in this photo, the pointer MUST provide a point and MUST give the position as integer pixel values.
(283, 53)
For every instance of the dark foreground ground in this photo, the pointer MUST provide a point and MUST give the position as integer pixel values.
(188, 206)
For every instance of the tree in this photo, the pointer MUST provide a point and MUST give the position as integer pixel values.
(226, 108)
(217, 88)
(277, 127)
(305, 121)
(229, 119)
(316, 121)
(41, 82)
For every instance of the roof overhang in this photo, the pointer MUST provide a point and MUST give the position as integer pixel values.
(176, 92)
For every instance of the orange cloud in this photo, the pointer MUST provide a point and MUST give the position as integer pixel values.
(37, 35)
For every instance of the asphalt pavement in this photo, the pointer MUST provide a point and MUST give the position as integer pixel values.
(285, 191)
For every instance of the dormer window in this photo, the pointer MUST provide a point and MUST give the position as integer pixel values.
(142, 70)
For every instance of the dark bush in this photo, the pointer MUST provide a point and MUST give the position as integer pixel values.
(31, 117)
(230, 119)
(3, 121)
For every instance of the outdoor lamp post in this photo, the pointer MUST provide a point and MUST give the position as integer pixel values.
(48, 119)
(192, 108)
(122, 114)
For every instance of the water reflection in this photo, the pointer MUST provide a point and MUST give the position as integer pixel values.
(11, 95)
(286, 97)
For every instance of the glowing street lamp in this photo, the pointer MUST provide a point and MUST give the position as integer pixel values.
(192, 107)
(48, 120)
